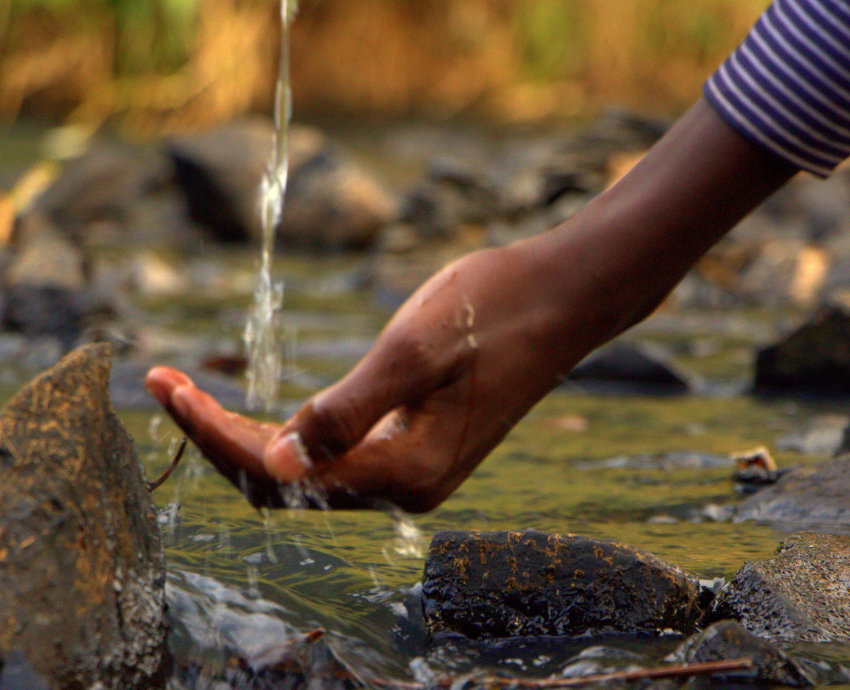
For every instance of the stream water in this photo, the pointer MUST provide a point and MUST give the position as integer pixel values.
(648, 471)
(261, 341)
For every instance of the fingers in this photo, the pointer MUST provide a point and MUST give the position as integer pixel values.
(234, 444)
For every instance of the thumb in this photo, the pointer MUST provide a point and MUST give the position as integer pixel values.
(338, 418)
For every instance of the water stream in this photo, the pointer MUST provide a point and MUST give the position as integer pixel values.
(261, 340)
(647, 471)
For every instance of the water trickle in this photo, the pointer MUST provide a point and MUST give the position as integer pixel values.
(263, 348)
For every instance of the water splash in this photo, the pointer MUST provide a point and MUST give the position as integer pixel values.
(263, 348)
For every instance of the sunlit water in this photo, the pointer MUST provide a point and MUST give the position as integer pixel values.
(612, 466)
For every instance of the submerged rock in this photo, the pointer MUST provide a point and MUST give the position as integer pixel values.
(728, 640)
(512, 584)
(800, 595)
(83, 573)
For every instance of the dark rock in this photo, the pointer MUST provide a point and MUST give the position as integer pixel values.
(800, 595)
(512, 584)
(82, 577)
(814, 358)
(330, 202)
(726, 641)
(220, 172)
(633, 365)
(453, 195)
(809, 495)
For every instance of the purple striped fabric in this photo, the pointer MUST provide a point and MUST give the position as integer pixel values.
(787, 86)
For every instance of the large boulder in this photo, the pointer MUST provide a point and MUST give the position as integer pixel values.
(800, 595)
(518, 584)
(83, 574)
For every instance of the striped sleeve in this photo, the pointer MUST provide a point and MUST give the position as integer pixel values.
(787, 86)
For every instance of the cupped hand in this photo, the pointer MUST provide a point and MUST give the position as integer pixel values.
(456, 367)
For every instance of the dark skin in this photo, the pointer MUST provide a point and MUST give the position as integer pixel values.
(482, 341)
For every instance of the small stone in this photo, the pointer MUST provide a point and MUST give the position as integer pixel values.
(727, 641)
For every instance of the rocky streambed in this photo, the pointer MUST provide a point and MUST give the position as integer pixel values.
(148, 252)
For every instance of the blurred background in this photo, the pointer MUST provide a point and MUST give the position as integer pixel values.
(175, 65)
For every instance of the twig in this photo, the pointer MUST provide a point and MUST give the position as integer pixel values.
(156, 483)
(700, 668)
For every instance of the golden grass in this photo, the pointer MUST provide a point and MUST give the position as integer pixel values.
(512, 60)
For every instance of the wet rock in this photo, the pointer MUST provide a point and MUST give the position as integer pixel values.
(800, 595)
(331, 203)
(220, 172)
(82, 576)
(512, 584)
(638, 366)
(728, 640)
(813, 494)
(814, 358)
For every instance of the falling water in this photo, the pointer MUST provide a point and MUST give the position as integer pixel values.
(264, 350)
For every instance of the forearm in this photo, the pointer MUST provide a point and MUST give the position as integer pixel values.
(612, 264)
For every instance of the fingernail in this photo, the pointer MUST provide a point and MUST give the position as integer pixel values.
(289, 446)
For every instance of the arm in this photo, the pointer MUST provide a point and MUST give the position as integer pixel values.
(466, 357)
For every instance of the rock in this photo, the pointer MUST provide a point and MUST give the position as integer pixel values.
(513, 584)
(116, 194)
(453, 195)
(814, 358)
(800, 595)
(42, 254)
(813, 494)
(822, 435)
(331, 203)
(46, 287)
(785, 271)
(728, 640)
(83, 574)
(635, 366)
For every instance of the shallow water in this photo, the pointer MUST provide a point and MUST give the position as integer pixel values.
(649, 471)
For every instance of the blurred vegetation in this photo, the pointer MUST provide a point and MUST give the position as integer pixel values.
(164, 65)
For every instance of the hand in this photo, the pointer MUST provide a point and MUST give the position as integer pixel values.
(459, 364)
(488, 336)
